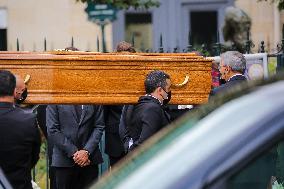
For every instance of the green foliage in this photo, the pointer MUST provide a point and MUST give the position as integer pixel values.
(280, 3)
(272, 64)
(126, 4)
(41, 169)
(278, 186)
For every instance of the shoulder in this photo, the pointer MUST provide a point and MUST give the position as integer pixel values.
(63, 107)
(52, 106)
(24, 114)
(97, 107)
(24, 120)
(228, 85)
(152, 108)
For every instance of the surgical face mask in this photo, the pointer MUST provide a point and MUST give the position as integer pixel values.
(23, 97)
(167, 100)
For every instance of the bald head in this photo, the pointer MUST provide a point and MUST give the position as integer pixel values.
(20, 86)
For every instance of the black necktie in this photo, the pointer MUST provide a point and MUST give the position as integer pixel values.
(78, 109)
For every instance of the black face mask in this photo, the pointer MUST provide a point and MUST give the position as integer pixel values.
(166, 101)
(23, 97)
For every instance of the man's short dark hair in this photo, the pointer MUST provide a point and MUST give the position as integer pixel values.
(154, 80)
(71, 49)
(7, 83)
(125, 47)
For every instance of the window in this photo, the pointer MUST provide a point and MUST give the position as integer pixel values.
(203, 27)
(3, 40)
(139, 25)
(3, 29)
(262, 172)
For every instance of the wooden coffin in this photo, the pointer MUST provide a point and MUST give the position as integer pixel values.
(107, 78)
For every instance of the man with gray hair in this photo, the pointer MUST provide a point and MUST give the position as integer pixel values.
(232, 68)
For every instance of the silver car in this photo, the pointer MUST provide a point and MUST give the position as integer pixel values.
(234, 142)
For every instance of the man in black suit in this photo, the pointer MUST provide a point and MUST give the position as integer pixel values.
(113, 145)
(75, 131)
(148, 116)
(232, 68)
(41, 119)
(19, 136)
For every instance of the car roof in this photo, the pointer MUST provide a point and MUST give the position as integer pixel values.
(188, 149)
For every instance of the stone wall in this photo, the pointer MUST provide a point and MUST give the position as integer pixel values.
(266, 22)
(58, 21)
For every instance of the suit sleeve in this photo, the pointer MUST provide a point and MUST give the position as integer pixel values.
(151, 123)
(36, 144)
(98, 130)
(55, 134)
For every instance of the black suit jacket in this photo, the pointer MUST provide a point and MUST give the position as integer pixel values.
(19, 144)
(235, 80)
(69, 133)
(113, 144)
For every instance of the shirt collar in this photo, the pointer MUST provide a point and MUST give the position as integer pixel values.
(235, 75)
(7, 105)
(155, 98)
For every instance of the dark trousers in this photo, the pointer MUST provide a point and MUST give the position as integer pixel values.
(113, 160)
(75, 177)
(52, 177)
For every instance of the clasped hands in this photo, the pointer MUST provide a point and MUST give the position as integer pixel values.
(81, 158)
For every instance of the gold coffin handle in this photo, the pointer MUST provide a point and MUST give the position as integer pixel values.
(27, 78)
(186, 80)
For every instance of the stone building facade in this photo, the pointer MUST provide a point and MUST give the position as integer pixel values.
(58, 21)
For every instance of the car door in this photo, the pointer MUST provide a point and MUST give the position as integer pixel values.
(262, 168)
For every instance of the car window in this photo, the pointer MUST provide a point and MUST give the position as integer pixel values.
(264, 171)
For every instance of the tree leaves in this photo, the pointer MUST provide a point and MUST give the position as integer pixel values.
(126, 4)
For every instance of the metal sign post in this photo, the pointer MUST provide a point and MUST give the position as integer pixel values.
(101, 14)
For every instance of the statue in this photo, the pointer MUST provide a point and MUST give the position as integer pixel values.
(236, 27)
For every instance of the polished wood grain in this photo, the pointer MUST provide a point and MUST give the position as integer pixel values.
(62, 77)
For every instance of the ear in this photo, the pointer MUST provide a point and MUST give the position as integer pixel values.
(229, 69)
(159, 89)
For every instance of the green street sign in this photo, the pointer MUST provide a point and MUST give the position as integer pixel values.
(100, 12)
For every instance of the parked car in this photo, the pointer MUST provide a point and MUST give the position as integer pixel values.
(235, 141)
(4, 183)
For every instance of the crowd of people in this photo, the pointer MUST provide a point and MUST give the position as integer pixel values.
(74, 132)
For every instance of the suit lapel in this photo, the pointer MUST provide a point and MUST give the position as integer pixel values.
(74, 113)
(84, 112)
(238, 77)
